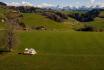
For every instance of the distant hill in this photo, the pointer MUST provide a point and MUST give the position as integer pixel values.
(35, 19)
(3, 4)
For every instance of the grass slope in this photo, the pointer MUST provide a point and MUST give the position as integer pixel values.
(37, 20)
(57, 51)
(98, 23)
(3, 10)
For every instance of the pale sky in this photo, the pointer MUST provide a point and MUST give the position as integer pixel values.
(62, 3)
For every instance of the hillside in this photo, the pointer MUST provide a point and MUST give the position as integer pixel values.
(59, 47)
(35, 19)
(39, 20)
(98, 21)
(101, 14)
(3, 10)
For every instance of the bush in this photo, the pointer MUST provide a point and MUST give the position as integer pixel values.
(90, 28)
(53, 16)
(39, 28)
(2, 50)
(62, 15)
(87, 28)
(81, 17)
(101, 16)
(22, 25)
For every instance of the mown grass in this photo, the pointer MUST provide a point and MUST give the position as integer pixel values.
(57, 50)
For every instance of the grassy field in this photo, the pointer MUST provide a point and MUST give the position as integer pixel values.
(57, 50)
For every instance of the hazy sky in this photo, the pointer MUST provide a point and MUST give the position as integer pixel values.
(43, 3)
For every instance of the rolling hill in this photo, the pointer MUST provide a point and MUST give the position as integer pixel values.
(39, 20)
(58, 48)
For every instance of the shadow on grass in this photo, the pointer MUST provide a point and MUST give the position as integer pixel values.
(4, 50)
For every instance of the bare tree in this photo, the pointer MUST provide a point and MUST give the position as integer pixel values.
(11, 38)
(11, 24)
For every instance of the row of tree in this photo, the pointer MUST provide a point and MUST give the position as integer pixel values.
(85, 17)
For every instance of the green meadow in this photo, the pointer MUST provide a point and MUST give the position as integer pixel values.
(57, 50)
